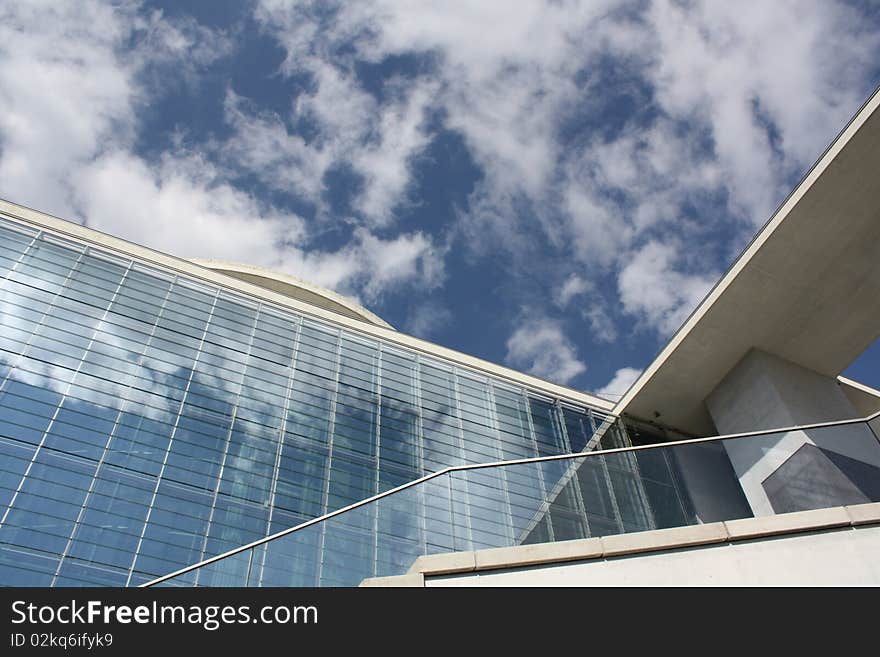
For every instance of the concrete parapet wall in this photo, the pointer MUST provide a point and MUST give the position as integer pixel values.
(836, 546)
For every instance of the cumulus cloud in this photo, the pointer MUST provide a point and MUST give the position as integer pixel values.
(573, 286)
(377, 142)
(405, 258)
(579, 292)
(427, 319)
(262, 145)
(63, 93)
(602, 328)
(619, 383)
(652, 289)
(732, 114)
(73, 80)
(771, 104)
(385, 162)
(612, 137)
(179, 206)
(541, 348)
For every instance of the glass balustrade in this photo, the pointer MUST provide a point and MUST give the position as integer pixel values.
(561, 498)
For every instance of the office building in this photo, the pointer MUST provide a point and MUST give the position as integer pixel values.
(155, 412)
(207, 423)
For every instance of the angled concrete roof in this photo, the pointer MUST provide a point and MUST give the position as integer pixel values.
(807, 288)
(294, 288)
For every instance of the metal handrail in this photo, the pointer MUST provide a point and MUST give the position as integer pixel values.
(495, 464)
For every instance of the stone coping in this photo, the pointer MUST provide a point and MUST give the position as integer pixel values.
(633, 543)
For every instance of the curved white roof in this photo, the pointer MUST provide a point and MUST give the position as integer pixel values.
(295, 288)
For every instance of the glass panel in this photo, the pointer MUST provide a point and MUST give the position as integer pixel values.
(188, 401)
(551, 499)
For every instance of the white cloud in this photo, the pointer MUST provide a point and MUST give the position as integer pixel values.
(179, 207)
(73, 79)
(652, 289)
(407, 257)
(427, 318)
(385, 162)
(376, 140)
(182, 43)
(602, 329)
(541, 348)
(501, 76)
(573, 286)
(596, 231)
(719, 63)
(724, 109)
(619, 383)
(580, 292)
(63, 95)
(262, 144)
(733, 111)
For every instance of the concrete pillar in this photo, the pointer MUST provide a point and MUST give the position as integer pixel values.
(793, 470)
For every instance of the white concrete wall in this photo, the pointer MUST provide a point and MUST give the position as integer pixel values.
(843, 557)
(763, 392)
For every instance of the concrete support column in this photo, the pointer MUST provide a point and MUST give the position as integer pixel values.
(794, 470)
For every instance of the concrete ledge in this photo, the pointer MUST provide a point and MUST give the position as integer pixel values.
(785, 523)
(445, 564)
(530, 555)
(618, 545)
(664, 539)
(408, 580)
(864, 514)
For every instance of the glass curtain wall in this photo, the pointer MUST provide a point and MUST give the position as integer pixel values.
(575, 496)
(149, 420)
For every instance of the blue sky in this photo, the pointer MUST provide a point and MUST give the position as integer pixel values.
(549, 185)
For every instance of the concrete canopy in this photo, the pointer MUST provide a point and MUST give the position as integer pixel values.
(807, 288)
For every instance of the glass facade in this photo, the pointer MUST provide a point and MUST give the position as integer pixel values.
(567, 497)
(149, 420)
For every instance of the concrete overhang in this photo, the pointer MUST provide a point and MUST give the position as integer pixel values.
(865, 400)
(807, 288)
